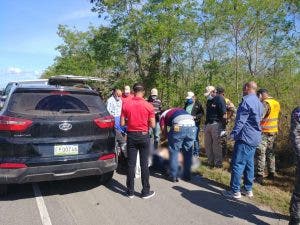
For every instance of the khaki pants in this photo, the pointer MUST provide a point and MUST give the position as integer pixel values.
(212, 144)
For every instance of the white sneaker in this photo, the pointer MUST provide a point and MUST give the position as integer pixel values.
(247, 193)
(195, 163)
(149, 195)
(231, 194)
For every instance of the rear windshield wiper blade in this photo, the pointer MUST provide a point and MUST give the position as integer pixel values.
(73, 111)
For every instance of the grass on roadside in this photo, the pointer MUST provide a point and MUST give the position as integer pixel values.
(274, 197)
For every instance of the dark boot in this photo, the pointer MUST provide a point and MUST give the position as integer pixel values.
(294, 222)
(271, 176)
(259, 179)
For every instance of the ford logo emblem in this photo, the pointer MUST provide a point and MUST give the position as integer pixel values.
(65, 126)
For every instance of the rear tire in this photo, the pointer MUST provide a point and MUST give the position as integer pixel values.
(3, 189)
(106, 178)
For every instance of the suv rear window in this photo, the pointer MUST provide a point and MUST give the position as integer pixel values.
(53, 102)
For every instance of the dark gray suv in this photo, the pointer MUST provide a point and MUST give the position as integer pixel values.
(53, 132)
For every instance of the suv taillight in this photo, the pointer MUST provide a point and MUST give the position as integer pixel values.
(108, 156)
(8, 123)
(105, 122)
(12, 165)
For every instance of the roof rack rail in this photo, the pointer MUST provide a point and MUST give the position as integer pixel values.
(67, 80)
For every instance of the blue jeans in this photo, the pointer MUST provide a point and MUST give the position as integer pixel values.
(177, 140)
(196, 149)
(242, 164)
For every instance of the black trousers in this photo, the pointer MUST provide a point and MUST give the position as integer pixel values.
(295, 201)
(138, 142)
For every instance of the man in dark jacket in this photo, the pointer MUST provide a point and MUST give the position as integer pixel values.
(194, 107)
(156, 102)
(295, 136)
(214, 124)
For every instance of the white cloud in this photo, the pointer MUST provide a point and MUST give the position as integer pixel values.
(20, 72)
(14, 70)
(16, 74)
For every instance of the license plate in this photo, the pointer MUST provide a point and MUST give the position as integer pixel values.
(61, 150)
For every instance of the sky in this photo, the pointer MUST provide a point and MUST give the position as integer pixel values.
(28, 34)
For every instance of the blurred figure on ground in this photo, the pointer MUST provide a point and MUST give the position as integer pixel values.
(126, 94)
(114, 107)
(181, 136)
(194, 107)
(247, 136)
(230, 116)
(295, 137)
(139, 116)
(156, 102)
(214, 124)
(161, 161)
(265, 152)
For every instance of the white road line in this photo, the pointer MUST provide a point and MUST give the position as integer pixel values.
(41, 205)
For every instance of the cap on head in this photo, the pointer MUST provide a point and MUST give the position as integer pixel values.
(220, 90)
(154, 91)
(138, 88)
(190, 95)
(208, 90)
(126, 89)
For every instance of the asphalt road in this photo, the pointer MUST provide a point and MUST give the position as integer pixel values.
(85, 202)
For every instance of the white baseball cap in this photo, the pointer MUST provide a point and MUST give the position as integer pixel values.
(208, 90)
(154, 91)
(127, 89)
(190, 95)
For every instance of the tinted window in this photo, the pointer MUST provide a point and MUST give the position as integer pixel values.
(43, 102)
(60, 102)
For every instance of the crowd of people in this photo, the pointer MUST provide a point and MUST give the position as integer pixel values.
(141, 124)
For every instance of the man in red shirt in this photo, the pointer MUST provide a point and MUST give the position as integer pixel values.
(139, 116)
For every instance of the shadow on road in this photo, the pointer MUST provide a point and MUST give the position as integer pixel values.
(18, 191)
(119, 188)
(60, 187)
(211, 199)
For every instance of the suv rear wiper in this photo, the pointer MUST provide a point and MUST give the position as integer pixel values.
(73, 111)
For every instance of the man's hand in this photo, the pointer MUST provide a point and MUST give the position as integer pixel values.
(223, 133)
(123, 122)
(152, 122)
(164, 132)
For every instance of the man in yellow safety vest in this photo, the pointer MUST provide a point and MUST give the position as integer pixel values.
(269, 125)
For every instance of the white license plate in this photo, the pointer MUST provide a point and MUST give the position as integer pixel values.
(60, 150)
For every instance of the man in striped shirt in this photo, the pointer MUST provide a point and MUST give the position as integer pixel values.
(156, 102)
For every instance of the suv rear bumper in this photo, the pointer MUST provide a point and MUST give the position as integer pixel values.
(56, 172)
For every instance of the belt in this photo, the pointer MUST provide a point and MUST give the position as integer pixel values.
(212, 122)
(270, 133)
(184, 125)
(138, 132)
